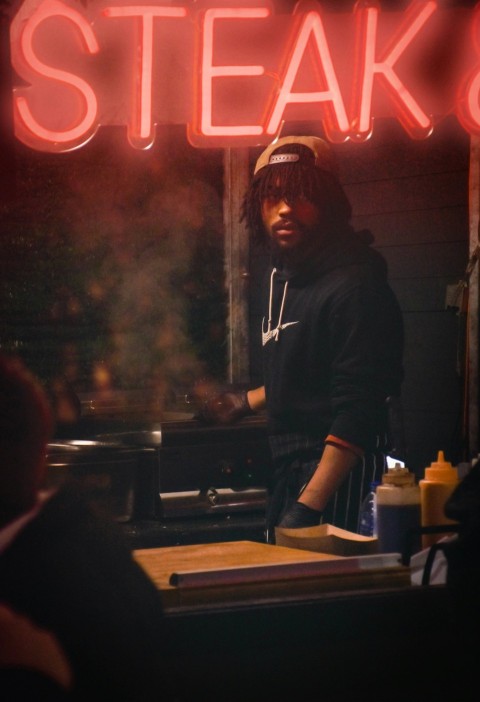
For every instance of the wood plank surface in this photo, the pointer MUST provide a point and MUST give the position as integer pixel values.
(161, 563)
(167, 564)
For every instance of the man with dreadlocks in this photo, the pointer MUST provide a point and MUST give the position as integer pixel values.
(332, 336)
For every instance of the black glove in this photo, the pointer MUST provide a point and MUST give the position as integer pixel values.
(300, 515)
(225, 408)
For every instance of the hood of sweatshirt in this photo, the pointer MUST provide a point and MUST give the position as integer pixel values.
(345, 248)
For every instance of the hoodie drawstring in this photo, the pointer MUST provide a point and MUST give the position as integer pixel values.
(273, 333)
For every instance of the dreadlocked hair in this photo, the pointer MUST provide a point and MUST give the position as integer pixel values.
(290, 181)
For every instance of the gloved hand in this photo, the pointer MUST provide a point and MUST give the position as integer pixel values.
(300, 515)
(225, 408)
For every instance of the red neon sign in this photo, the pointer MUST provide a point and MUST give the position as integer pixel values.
(207, 72)
(235, 74)
(468, 108)
(311, 32)
(82, 128)
(408, 110)
(141, 128)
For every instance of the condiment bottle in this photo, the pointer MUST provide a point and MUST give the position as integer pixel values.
(441, 478)
(398, 511)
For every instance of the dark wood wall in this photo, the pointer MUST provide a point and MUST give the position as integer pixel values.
(413, 196)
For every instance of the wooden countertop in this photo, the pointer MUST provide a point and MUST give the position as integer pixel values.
(242, 571)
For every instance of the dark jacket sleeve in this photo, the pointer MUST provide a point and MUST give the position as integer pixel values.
(367, 341)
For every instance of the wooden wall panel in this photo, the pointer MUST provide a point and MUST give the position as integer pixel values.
(416, 193)
(425, 261)
(435, 224)
(423, 294)
(413, 196)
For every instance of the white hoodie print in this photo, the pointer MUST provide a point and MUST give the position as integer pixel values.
(274, 333)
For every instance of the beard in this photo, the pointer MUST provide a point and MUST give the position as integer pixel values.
(297, 256)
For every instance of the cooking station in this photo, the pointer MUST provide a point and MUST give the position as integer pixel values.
(169, 480)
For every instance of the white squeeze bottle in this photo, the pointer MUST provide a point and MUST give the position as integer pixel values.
(441, 478)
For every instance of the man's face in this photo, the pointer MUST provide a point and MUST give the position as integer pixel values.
(288, 223)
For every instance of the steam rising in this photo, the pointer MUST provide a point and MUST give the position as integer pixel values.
(135, 243)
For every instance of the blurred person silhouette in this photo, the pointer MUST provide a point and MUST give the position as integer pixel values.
(32, 662)
(66, 566)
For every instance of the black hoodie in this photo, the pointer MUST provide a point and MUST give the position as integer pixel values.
(333, 344)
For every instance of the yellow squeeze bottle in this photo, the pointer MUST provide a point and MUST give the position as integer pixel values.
(441, 478)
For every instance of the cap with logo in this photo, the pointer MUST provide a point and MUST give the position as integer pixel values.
(324, 157)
